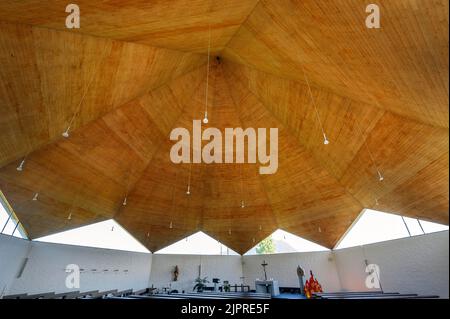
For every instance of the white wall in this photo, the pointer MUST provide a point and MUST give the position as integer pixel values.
(222, 267)
(410, 265)
(13, 252)
(45, 270)
(417, 264)
(283, 267)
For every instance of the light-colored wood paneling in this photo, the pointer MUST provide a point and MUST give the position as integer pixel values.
(158, 199)
(46, 74)
(382, 96)
(175, 24)
(401, 67)
(363, 139)
(305, 198)
(425, 192)
(90, 173)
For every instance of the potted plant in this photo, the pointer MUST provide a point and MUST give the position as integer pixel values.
(200, 284)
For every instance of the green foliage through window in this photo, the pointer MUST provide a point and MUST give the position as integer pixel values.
(266, 246)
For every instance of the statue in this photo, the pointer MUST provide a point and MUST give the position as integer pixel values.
(301, 274)
(175, 274)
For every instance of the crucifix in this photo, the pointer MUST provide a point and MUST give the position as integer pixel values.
(264, 264)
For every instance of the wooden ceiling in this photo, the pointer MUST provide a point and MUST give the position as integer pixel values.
(176, 24)
(136, 70)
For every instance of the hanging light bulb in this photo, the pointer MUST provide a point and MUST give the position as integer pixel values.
(325, 139)
(69, 217)
(242, 204)
(66, 133)
(188, 192)
(148, 234)
(229, 231)
(205, 120)
(376, 202)
(320, 230)
(380, 176)
(260, 227)
(21, 165)
(253, 240)
(124, 202)
(35, 197)
(171, 225)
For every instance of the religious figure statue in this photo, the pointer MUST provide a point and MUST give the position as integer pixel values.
(175, 273)
(301, 274)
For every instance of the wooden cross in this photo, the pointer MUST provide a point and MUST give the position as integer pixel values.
(264, 264)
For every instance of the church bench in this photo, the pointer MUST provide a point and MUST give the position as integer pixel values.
(292, 290)
(87, 294)
(194, 296)
(378, 296)
(101, 294)
(232, 294)
(123, 293)
(155, 296)
(220, 296)
(346, 293)
(424, 297)
(48, 295)
(328, 295)
(67, 295)
(16, 296)
(395, 296)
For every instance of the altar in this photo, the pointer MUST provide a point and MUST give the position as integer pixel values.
(267, 286)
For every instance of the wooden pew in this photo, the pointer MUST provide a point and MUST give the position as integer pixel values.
(423, 297)
(86, 294)
(123, 293)
(209, 295)
(339, 293)
(153, 297)
(361, 296)
(387, 296)
(237, 295)
(101, 294)
(48, 295)
(67, 295)
(16, 296)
